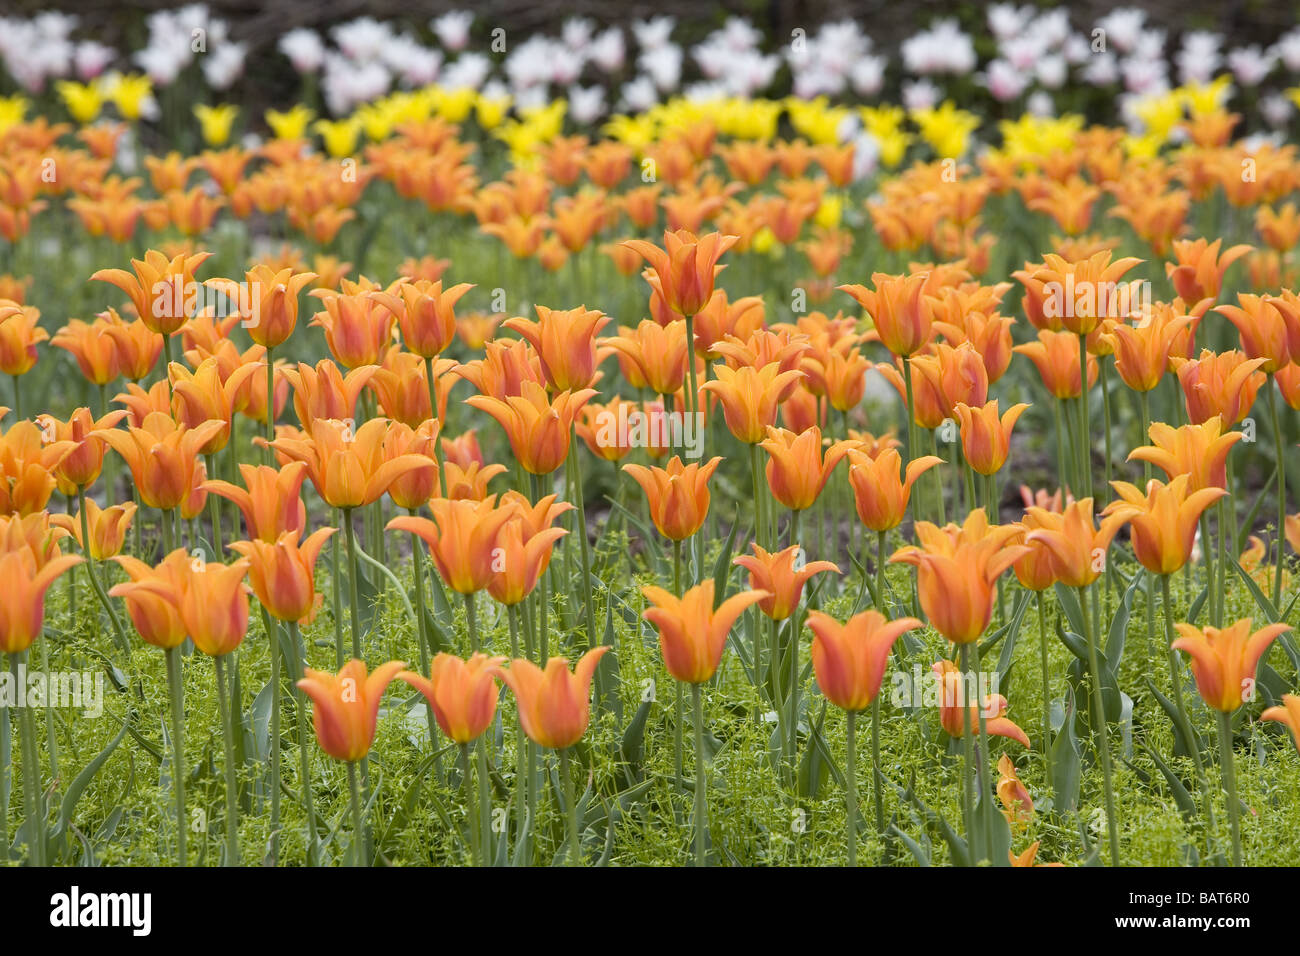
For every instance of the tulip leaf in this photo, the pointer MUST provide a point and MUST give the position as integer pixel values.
(957, 847)
(607, 696)
(82, 781)
(1180, 793)
(918, 852)
(1069, 602)
(1271, 614)
(722, 567)
(1066, 761)
(631, 749)
(1244, 531)
(1186, 741)
(817, 763)
(659, 564)
(261, 721)
(1198, 604)
(1119, 623)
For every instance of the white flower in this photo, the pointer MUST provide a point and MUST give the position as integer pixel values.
(1288, 49)
(1145, 77)
(739, 34)
(92, 59)
(1102, 69)
(577, 32)
(868, 75)
(639, 95)
(920, 95)
(608, 50)
(664, 66)
(1024, 51)
(468, 72)
(452, 29)
(162, 65)
(1250, 64)
(362, 39)
(1006, 19)
(866, 155)
(1052, 71)
(1077, 48)
(224, 64)
(1040, 103)
(304, 48)
(586, 105)
(1122, 27)
(654, 33)
(941, 49)
(1150, 45)
(1276, 109)
(1004, 81)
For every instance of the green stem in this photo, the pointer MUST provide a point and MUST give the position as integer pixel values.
(571, 808)
(304, 747)
(484, 800)
(1227, 767)
(913, 451)
(433, 413)
(877, 778)
(1099, 727)
(422, 626)
(1280, 448)
(851, 788)
(273, 638)
(267, 454)
(1047, 688)
(358, 826)
(353, 600)
(336, 580)
(521, 749)
(881, 604)
(471, 623)
(5, 760)
(176, 691)
(29, 747)
(92, 572)
(214, 510)
(968, 757)
(701, 779)
(584, 546)
(1085, 431)
(1176, 677)
(1144, 401)
(232, 793)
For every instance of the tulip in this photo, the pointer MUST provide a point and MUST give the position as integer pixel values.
(1199, 271)
(992, 709)
(986, 438)
(782, 575)
(750, 398)
(324, 392)
(27, 466)
(107, 527)
(538, 427)
(461, 537)
(462, 693)
(93, 348)
(554, 708)
(1223, 662)
(425, 313)
(348, 468)
(1198, 451)
(898, 311)
(565, 342)
(523, 556)
(797, 469)
(683, 272)
(84, 462)
(692, 633)
(1220, 385)
(272, 503)
(678, 495)
(1018, 805)
(653, 353)
(1163, 521)
(345, 716)
(1142, 351)
(159, 289)
(282, 572)
(358, 330)
(1288, 715)
(880, 493)
(504, 369)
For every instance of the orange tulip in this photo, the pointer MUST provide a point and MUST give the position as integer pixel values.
(348, 469)
(839, 373)
(93, 348)
(1056, 354)
(899, 313)
(272, 503)
(1262, 330)
(107, 526)
(1035, 568)
(282, 572)
(504, 369)
(1078, 547)
(537, 426)
(160, 289)
(163, 456)
(324, 392)
(880, 492)
(83, 463)
(1162, 523)
(402, 387)
(1199, 271)
(1017, 804)
(153, 610)
(850, 659)
(203, 396)
(957, 568)
(22, 613)
(1288, 715)
(554, 704)
(425, 313)
(565, 341)
(20, 333)
(1223, 660)
(952, 704)
(462, 538)
(346, 711)
(1086, 292)
(1142, 351)
(798, 467)
(678, 495)
(782, 575)
(750, 397)
(692, 634)
(653, 353)
(1198, 451)
(469, 484)
(268, 302)
(412, 489)
(461, 693)
(986, 438)
(524, 546)
(683, 272)
(136, 344)
(358, 330)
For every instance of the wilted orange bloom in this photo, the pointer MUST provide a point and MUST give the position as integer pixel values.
(162, 456)
(898, 311)
(1162, 523)
(1223, 660)
(524, 546)
(1219, 385)
(986, 438)
(20, 333)
(22, 613)
(107, 526)
(750, 397)
(1142, 351)
(282, 572)
(1056, 354)
(272, 503)
(1198, 451)
(461, 537)
(652, 355)
(782, 575)
(850, 659)
(154, 611)
(565, 342)
(537, 426)
(1262, 329)
(425, 313)
(692, 634)
(1288, 715)
(1017, 804)
(83, 463)
(554, 704)
(93, 348)
(346, 711)
(1077, 545)
(1198, 272)
(461, 693)
(880, 490)
(798, 467)
(358, 330)
(678, 495)
(957, 568)
(348, 468)
(160, 288)
(684, 270)
(953, 698)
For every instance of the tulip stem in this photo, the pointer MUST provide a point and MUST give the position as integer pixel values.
(176, 691)
(1085, 425)
(1175, 675)
(304, 749)
(18, 397)
(433, 413)
(358, 827)
(484, 799)
(267, 454)
(336, 579)
(851, 779)
(1281, 491)
(968, 757)
(118, 634)
(1207, 552)
(701, 779)
(584, 546)
(571, 809)
(1228, 770)
(471, 622)
(1064, 465)
(228, 733)
(214, 510)
(521, 785)
(1047, 688)
(422, 626)
(5, 760)
(354, 602)
(1105, 412)
(273, 642)
(912, 441)
(1099, 726)
(31, 769)
(877, 778)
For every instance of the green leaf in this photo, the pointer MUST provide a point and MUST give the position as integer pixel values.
(1186, 742)
(1181, 796)
(1067, 768)
(82, 781)
(723, 567)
